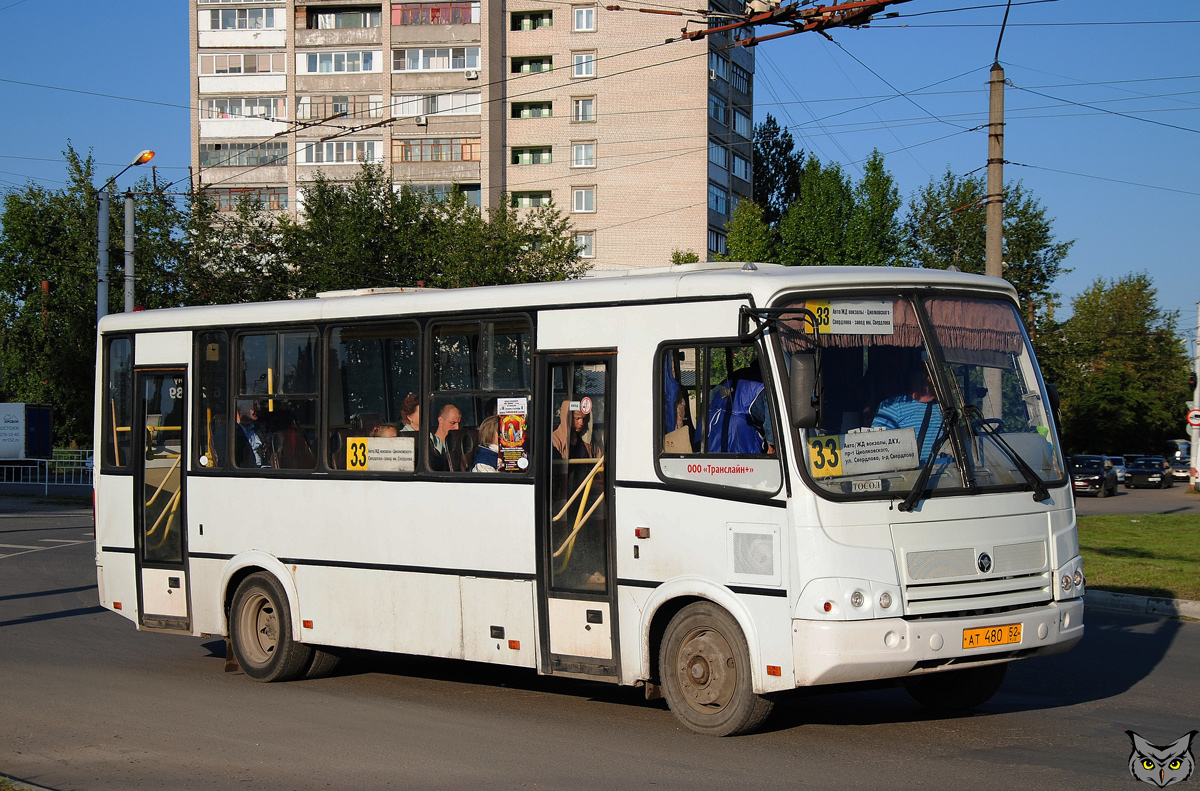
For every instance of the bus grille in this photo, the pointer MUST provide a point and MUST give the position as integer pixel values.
(991, 595)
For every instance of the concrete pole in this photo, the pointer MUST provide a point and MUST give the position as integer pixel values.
(1196, 404)
(128, 252)
(994, 265)
(102, 255)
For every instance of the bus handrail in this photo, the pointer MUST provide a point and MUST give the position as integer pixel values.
(578, 489)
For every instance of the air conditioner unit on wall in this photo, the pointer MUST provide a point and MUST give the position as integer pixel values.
(472, 74)
(422, 120)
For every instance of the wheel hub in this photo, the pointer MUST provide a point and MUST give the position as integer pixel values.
(707, 672)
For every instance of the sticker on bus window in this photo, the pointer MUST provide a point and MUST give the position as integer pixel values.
(512, 412)
(852, 316)
(381, 454)
(863, 452)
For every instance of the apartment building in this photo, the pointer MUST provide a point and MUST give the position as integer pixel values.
(646, 145)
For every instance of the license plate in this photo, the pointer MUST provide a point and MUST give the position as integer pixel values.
(992, 635)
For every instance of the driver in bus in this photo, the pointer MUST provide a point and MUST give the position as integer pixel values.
(916, 408)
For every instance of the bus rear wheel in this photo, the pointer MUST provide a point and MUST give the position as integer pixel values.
(958, 690)
(260, 627)
(704, 666)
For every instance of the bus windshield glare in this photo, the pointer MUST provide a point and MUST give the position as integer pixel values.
(939, 387)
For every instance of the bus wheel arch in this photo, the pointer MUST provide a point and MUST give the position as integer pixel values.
(254, 562)
(261, 633)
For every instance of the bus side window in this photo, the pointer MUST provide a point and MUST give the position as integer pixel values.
(278, 373)
(212, 417)
(117, 410)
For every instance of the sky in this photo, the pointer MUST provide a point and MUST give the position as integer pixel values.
(1102, 110)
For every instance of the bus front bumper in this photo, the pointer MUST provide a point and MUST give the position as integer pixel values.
(835, 652)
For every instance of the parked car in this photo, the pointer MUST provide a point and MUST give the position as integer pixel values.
(1118, 463)
(1149, 471)
(1178, 453)
(1093, 475)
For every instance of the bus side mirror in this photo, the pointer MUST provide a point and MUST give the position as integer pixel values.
(802, 399)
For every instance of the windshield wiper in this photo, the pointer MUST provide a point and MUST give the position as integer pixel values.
(949, 421)
(975, 415)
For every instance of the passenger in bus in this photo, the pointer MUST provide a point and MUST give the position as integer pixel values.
(487, 455)
(739, 417)
(410, 413)
(385, 430)
(290, 446)
(917, 408)
(251, 448)
(570, 437)
(448, 420)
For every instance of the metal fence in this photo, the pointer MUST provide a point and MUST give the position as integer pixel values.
(64, 468)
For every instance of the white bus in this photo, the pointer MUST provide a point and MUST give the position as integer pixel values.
(717, 482)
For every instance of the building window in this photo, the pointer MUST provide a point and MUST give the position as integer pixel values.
(583, 199)
(583, 109)
(408, 105)
(435, 14)
(532, 156)
(441, 192)
(532, 20)
(272, 198)
(436, 149)
(315, 108)
(242, 154)
(530, 200)
(741, 168)
(270, 107)
(244, 63)
(718, 110)
(739, 78)
(333, 152)
(742, 124)
(435, 59)
(718, 155)
(718, 67)
(585, 19)
(583, 155)
(338, 62)
(337, 20)
(228, 2)
(532, 109)
(532, 65)
(246, 19)
(718, 199)
(716, 242)
(586, 243)
(585, 64)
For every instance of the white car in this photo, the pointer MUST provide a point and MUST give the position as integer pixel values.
(1118, 464)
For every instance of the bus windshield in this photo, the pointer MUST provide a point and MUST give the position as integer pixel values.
(943, 388)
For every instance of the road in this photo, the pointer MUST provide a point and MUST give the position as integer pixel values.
(1175, 500)
(87, 702)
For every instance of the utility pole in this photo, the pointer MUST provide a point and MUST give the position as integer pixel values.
(128, 251)
(1195, 477)
(102, 254)
(994, 266)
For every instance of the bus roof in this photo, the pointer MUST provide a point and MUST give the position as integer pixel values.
(762, 283)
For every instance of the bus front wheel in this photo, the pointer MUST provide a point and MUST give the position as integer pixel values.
(958, 690)
(260, 626)
(704, 666)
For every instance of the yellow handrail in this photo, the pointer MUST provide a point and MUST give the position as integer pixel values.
(171, 508)
(166, 478)
(585, 481)
(116, 447)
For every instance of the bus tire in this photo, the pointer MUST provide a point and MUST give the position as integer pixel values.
(704, 666)
(323, 663)
(260, 626)
(958, 690)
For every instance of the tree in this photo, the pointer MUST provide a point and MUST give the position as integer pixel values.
(947, 225)
(777, 167)
(874, 237)
(813, 231)
(1120, 367)
(749, 236)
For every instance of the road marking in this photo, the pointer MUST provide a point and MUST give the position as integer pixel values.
(20, 546)
(59, 540)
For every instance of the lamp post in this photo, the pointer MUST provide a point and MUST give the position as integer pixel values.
(102, 236)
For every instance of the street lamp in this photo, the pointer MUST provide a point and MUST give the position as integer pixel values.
(102, 235)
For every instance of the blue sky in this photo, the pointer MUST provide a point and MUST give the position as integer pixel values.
(1103, 115)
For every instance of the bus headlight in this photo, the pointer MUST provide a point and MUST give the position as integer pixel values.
(1066, 582)
(856, 598)
(885, 600)
(1078, 578)
(1070, 579)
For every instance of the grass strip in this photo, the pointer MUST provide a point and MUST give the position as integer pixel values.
(1142, 554)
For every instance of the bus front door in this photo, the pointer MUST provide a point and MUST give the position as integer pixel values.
(159, 501)
(576, 580)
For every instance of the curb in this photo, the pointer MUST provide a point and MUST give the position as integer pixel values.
(20, 786)
(1148, 605)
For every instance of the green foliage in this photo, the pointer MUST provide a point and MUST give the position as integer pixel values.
(1142, 554)
(813, 231)
(777, 167)
(947, 225)
(684, 257)
(749, 236)
(874, 237)
(1120, 367)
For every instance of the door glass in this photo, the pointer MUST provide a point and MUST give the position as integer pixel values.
(162, 516)
(579, 510)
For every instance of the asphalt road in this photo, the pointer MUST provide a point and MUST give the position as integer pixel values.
(1175, 500)
(87, 702)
